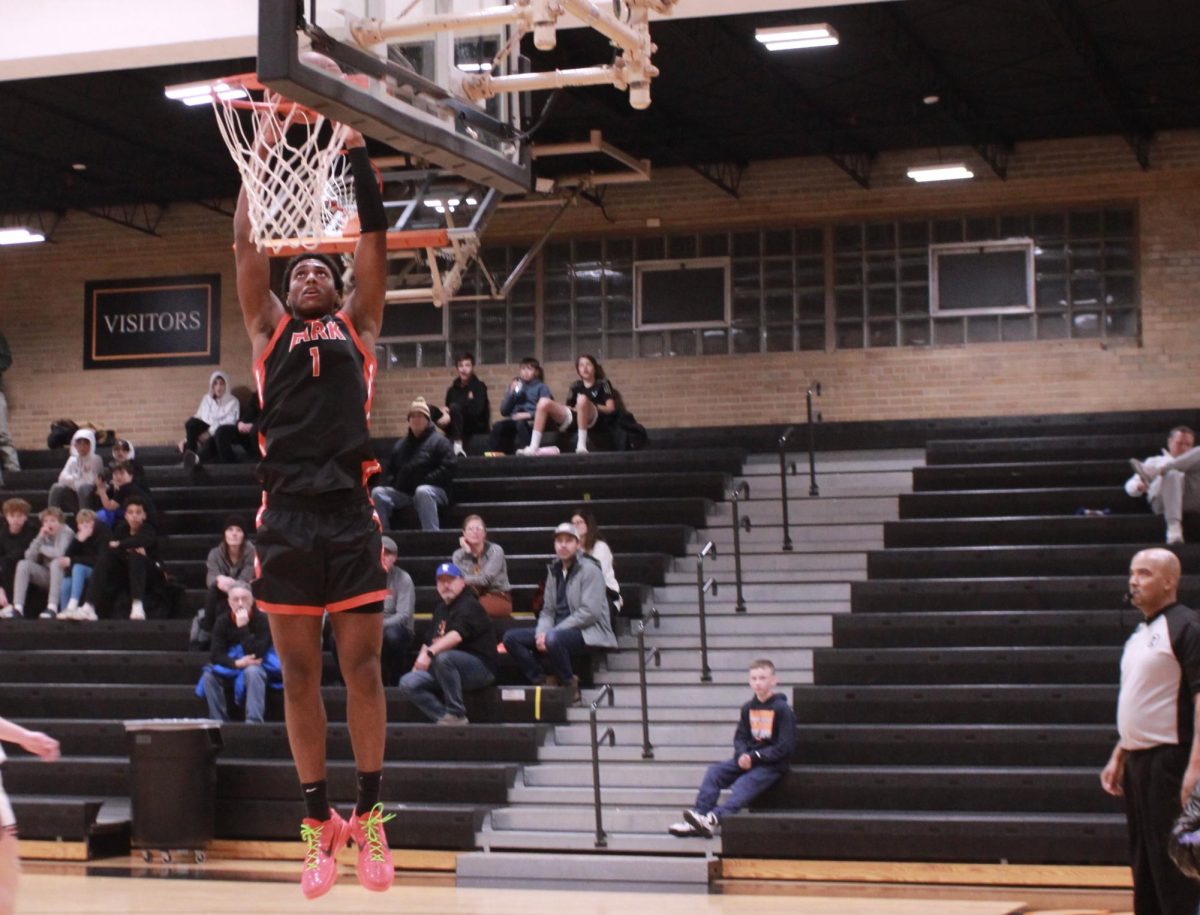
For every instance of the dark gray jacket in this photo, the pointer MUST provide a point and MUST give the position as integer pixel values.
(587, 600)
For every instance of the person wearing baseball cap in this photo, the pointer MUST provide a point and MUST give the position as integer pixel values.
(573, 622)
(459, 653)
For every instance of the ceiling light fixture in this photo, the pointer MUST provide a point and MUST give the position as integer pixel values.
(193, 94)
(951, 171)
(794, 37)
(485, 67)
(20, 236)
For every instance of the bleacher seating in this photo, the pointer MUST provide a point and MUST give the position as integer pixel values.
(969, 701)
(78, 681)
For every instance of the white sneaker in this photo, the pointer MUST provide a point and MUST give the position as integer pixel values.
(459, 449)
(48, 614)
(85, 614)
(527, 451)
(706, 823)
(581, 449)
(1175, 532)
(7, 613)
(138, 612)
(683, 830)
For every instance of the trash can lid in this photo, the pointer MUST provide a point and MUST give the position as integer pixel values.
(172, 724)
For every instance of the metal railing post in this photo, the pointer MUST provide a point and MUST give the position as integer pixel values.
(703, 587)
(611, 737)
(643, 657)
(783, 469)
(741, 491)
(814, 388)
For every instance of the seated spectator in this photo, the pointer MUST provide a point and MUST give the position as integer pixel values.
(398, 608)
(217, 408)
(39, 567)
(574, 619)
(590, 544)
(418, 472)
(123, 450)
(1170, 481)
(398, 622)
(762, 750)
(241, 655)
(467, 410)
(459, 652)
(243, 433)
(114, 495)
(591, 397)
(484, 567)
(77, 480)
(518, 408)
(91, 536)
(230, 562)
(16, 534)
(129, 562)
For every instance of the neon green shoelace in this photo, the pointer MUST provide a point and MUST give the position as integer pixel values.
(373, 827)
(312, 838)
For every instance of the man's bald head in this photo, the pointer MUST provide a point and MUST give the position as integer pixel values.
(1154, 580)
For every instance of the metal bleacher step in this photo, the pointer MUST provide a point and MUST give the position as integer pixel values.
(629, 873)
(766, 620)
(647, 843)
(673, 799)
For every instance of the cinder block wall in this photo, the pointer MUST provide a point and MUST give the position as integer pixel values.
(41, 303)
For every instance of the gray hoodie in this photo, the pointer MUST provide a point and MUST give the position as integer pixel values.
(43, 550)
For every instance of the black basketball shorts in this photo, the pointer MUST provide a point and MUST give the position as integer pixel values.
(318, 555)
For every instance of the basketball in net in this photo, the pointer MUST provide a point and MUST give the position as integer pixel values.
(298, 183)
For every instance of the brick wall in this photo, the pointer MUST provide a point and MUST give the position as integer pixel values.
(41, 303)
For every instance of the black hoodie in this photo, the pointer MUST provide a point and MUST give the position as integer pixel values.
(767, 731)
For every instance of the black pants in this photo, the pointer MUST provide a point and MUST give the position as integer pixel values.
(192, 430)
(510, 434)
(463, 424)
(117, 571)
(1153, 779)
(226, 437)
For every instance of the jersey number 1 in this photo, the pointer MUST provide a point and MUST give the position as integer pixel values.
(315, 352)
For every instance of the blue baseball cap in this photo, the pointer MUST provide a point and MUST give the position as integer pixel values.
(448, 568)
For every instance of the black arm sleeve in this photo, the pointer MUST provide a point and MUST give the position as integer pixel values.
(371, 217)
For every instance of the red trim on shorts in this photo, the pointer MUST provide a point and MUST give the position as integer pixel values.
(289, 609)
(351, 602)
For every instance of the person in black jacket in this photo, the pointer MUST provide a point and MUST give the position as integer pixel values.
(240, 641)
(129, 561)
(91, 536)
(467, 409)
(762, 749)
(418, 472)
(459, 652)
(16, 534)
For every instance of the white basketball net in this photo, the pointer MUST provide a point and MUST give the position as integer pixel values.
(297, 181)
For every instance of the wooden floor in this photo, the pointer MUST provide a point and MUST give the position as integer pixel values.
(43, 893)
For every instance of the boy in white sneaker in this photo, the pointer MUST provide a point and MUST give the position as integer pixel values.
(762, 747)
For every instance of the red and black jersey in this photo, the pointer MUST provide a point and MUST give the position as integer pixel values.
(315, 383)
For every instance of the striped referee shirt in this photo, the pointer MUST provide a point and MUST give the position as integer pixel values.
(1160, 675)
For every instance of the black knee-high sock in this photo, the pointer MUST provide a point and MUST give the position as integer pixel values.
(368, 791)
(316, 800)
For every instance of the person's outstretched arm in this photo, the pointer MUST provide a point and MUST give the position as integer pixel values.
(34, 741)
(261, 310)
(364, 305)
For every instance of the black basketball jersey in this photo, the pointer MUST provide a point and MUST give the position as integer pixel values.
(315, 382)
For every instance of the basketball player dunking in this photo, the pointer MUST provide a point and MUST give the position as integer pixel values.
(319, 539)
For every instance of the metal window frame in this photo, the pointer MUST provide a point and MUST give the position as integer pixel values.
(662, 266)
(980, 247)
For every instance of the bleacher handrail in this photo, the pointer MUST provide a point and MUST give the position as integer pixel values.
(739, 492)
(643, 657)
(610, 735)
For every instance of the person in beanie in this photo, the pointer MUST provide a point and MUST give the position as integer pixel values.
(459, 653)
(762, 749)
(229, 562)
(418, 472)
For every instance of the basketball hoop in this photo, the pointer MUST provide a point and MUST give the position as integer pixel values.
(298, 186)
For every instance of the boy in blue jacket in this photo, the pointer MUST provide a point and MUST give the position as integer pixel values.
(762, 747)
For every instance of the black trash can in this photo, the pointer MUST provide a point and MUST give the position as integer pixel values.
(173, 783)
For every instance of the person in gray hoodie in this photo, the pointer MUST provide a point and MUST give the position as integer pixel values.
(573, 621)
(77, 480)
(39, 566)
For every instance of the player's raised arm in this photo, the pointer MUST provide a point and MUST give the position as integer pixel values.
(261, 310)
(365, 304)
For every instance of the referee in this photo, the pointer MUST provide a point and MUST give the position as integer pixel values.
(1156, 762)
